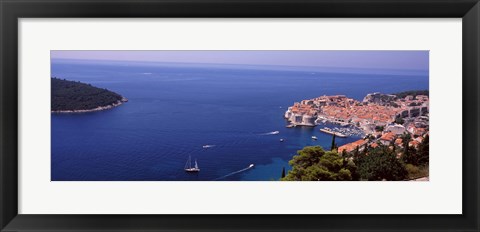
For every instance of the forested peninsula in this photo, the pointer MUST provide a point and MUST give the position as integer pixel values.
(76, 97)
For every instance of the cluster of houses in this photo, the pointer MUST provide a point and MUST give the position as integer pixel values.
(384, 117)
(390, 136)
(375, 110)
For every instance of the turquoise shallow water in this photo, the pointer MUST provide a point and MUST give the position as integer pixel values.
(174, 110)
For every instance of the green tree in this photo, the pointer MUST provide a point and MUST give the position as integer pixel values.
(356, 153)
(314, 164)
(365, 149)
(381, 164)
(408, 153)
(350, 165)
(333, 143)
(423, 151)
(345, 154)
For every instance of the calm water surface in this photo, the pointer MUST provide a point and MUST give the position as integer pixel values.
(174, 110)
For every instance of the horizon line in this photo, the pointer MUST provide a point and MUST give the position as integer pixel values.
(232, 64)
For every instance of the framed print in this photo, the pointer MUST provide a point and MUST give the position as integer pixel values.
(233, 143)
(250, 116)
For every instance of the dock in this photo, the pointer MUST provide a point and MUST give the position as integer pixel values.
(329, 131)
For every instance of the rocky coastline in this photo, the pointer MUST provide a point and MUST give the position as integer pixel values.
(100, 108)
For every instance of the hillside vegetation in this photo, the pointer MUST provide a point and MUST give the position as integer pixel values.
(413, 93)
(76, 96)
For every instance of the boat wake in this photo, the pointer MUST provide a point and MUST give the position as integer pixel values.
(271, 133)
(208, 146)
(236, 172)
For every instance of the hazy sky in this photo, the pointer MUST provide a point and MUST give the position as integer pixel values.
(417, 60)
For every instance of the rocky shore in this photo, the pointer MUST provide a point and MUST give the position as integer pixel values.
(100, 108)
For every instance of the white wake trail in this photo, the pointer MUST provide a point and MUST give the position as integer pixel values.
(236, 172)
(271, 133)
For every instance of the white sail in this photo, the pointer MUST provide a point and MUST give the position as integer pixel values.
(189, 163)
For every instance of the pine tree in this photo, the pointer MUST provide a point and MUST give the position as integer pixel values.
(365, 149)
(283, 172)
(333, 143)
(423, 151)
(356, 154)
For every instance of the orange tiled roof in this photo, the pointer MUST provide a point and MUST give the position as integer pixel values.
(388, 136)
(352, 146)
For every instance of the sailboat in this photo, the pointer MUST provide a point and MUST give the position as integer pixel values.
(188, 165)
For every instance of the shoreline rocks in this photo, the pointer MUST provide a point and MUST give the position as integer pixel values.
(100, 108)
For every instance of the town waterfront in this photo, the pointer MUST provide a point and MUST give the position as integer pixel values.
(175, 109)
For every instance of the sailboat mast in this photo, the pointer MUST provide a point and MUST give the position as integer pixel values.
(189, 162)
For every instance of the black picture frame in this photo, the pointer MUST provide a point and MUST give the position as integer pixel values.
(12, 10)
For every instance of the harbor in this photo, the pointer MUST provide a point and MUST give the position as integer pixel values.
(329, 131)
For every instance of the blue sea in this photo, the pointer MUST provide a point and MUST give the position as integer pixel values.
(175, 109)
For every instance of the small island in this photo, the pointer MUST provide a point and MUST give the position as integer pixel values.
(76, 97)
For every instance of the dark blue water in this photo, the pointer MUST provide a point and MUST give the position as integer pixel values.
(173, 111)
